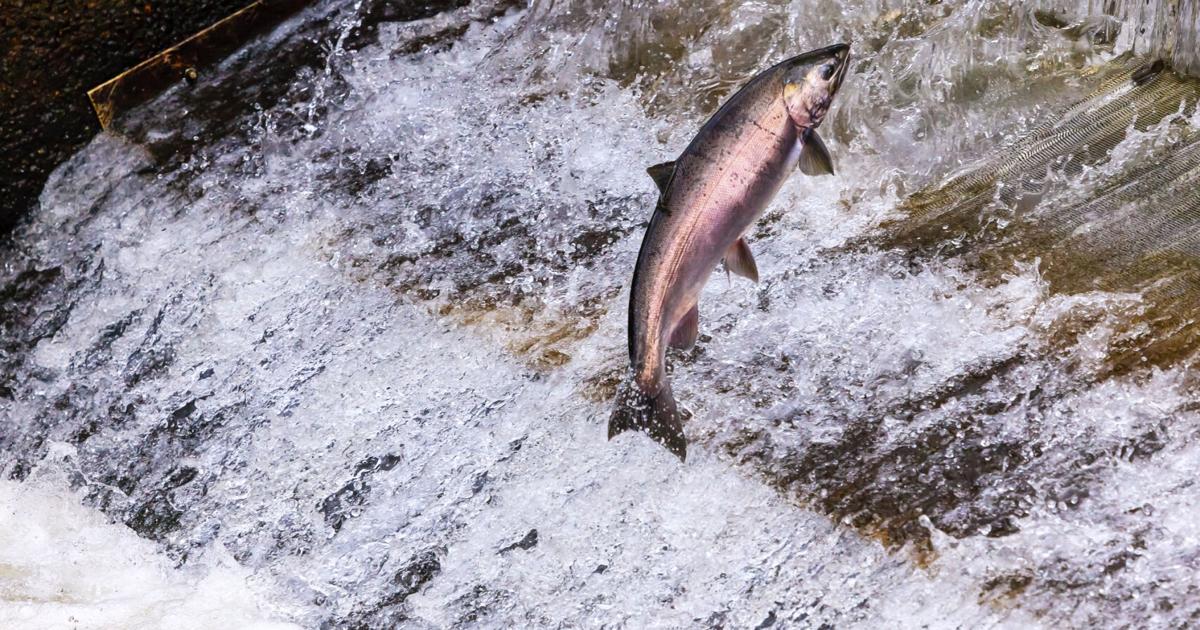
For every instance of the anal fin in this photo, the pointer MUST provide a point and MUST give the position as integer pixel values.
(740, 261)
(683, 336)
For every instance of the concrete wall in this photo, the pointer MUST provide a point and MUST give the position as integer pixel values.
(1152, 28)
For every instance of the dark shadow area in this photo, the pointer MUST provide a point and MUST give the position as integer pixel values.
(51, 54)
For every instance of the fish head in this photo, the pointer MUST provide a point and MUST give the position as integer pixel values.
(810, 82)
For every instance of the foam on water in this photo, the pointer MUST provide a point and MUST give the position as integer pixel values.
(357, 353)
(63, 565)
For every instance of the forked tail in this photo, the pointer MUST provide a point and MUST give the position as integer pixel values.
(655, 414)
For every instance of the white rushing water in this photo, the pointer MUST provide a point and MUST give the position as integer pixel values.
(63, 565)
(347, 362)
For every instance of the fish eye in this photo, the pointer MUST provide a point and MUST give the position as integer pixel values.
(827, 71)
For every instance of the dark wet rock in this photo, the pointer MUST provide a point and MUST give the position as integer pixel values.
(153, 355)
(20, 469)
(477, 604)
(523, 268)
(479, 481)
(376, 13)
(182, 413)
(23, 307)
(767, 622)
(419, 571)
(948, 468)
(35, 303)
(100, 352)
(157, 516)
(529, 541)
(270, 71)
(181, 477)
(344, 504)
(187, 430)
(1005, 586)
(354, 176)
(141, 479)
(440, 32)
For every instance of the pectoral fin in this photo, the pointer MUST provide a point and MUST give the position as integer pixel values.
(814, 156)
(686, 330)
(739, 260)
(661, 174)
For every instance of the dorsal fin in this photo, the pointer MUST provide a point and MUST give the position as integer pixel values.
(661, 174)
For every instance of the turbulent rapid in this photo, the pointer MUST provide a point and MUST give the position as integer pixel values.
(331, 338)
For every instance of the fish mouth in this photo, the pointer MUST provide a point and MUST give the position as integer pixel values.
(840, 52)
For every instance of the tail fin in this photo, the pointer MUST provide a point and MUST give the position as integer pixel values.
(654, 414)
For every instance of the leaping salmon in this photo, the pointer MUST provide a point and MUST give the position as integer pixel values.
(709, 197)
